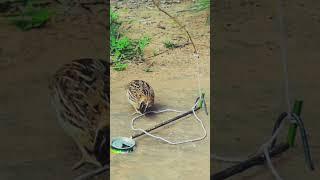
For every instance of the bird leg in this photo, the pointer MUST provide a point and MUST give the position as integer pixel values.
(86, 158)
(100, 140)
(137, 112)
(134, 113)
(78, 164)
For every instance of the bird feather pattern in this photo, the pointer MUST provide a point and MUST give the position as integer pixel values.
(140, 95)
(80, 95)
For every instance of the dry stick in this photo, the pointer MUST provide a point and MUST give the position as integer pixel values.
(149, 57)
(165, 122)
(256, 160)
(178, 46)
(183, 27)
(176, 21)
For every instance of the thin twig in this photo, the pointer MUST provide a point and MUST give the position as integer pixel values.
(176, 21)
(177, 46)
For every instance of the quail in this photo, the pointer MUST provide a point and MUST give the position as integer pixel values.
(79, 92)
(140, 95)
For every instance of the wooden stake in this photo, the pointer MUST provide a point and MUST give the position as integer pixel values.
(165, 122)
(256, 160)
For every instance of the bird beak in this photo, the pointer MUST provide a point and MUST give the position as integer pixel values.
(143, 107)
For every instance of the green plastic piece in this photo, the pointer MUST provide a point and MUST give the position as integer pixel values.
(200, 102)
(293, 127)
(115, 151)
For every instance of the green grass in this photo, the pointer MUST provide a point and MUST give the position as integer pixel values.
(31, 17)
(201, 5)
(120, 66)
(123, 49)
(169, 44)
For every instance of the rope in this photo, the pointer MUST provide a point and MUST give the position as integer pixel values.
(284, 55)
(262, 147)
(273, 170)
(265, 147)
(196, 58)
(163, 139)
(201, 98)
(284, 58)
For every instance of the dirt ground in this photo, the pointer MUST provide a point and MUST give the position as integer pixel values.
(248, 91)
(248, 82)
(173, 78)
(33, 146)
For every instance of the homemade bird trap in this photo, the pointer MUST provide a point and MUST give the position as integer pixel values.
(270, 149)
(122, 145)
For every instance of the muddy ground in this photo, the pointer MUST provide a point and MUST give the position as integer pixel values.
(173, 78)
(248, 82)
(33, 146)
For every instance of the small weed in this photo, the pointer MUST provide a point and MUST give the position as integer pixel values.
(169, 44)
(155, 52)
(120, 66)
(130, 21)
(124, 49)
(147, 70)
(143, 42)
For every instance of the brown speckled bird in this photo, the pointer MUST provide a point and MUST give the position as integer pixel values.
(80, 95)
(140, 95)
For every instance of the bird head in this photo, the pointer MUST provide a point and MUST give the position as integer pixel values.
(143, 105)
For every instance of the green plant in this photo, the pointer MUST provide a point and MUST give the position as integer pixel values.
(31, 16)
(155, 52)
(143, 42)
(147, 70)
(114, 30)
(122, 48)
(169, 44)
(201, 5)
(120, 66)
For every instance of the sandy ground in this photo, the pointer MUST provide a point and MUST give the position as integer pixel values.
(248, 82)
(33, 146)
(173, 78)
